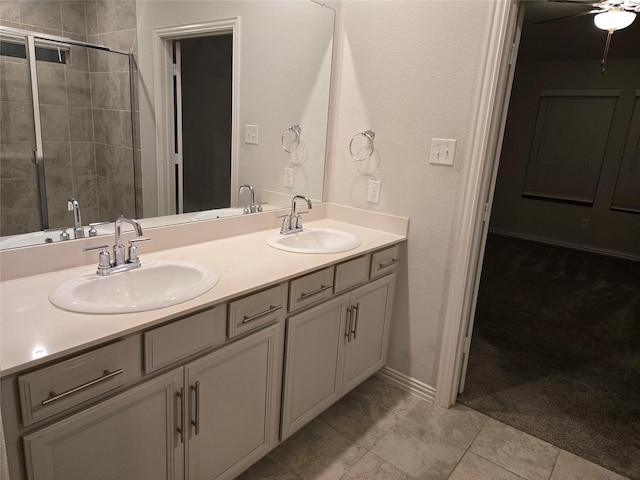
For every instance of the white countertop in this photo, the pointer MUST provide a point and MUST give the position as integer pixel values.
(33, 331)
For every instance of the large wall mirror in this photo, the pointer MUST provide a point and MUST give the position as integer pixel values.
(245, 81)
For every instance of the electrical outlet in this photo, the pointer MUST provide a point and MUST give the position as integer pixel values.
(288, 177)
(373, 191)
(442, 151)
(251, 134)
(584, 223)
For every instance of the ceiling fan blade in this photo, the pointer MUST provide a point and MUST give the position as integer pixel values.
(590, 12)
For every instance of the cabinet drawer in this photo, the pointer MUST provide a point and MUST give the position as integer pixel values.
(352, 273)
(257, 309)
(66, 384)
(177, 340)
(385, 261)
(311, 288)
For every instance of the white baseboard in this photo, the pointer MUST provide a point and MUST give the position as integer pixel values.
(405, 382)
(560, 243)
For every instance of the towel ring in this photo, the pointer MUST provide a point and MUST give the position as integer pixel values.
(296, 129)
(369, 135)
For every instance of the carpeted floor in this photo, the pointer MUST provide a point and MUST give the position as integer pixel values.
(556, 349)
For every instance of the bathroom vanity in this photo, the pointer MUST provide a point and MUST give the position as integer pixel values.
(204, 388)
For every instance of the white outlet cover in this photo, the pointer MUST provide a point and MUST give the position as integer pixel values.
(443, 151)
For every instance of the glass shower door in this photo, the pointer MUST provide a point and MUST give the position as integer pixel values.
(19, 192)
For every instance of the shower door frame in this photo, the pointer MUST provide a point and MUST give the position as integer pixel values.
(30, 38)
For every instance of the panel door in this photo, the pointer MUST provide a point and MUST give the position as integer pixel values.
(234, 405)
(130, 436)
(314, 356)
(366, 349)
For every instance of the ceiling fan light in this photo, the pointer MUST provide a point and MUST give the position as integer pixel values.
(614, 20)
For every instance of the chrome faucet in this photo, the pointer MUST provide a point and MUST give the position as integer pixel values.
(78, 231)
(252, 207)
(120, 263)
(292, 223)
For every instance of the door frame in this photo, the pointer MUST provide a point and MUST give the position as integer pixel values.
(495, 91)
(163, 96)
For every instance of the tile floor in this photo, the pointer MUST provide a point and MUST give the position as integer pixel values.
(381, 432)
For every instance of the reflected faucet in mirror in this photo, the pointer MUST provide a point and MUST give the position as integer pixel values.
(73, 205)
(252, 207)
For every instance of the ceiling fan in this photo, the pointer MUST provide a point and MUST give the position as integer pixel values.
(609, 15)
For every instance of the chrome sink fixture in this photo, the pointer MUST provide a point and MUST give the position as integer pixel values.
(315, 240)
(159, 284)
(120, 263)
(292, 223)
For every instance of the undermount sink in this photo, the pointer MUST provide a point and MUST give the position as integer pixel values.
(155, 284)
(315, 240)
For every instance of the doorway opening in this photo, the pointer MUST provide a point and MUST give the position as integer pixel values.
(197, 77)
(202, 99)
(555, 338)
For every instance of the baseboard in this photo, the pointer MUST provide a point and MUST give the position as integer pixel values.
(405, 382)
(560, 243)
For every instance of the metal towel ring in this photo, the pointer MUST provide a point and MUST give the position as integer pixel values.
(369, 135)
(296, 129)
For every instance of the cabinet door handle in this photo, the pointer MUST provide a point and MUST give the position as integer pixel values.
(388, 264)
(322, 288)
(180, 429)
(196, 421)
(53, 396)
(271, 309)
(347, 333)
(356, 312)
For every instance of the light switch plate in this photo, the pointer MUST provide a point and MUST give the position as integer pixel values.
(443, 151)
(251, 134)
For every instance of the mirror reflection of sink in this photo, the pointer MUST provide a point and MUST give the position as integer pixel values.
(315, 240)
(39, 238)
(155, 284)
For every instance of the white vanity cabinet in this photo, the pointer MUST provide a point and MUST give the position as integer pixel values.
(335, 345)
(204, 396)
(208, 417)
(234, 406)
(130, 436)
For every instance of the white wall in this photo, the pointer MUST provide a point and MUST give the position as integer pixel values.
(411, 71)
(609, 230)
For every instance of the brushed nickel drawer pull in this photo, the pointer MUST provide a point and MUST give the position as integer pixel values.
(180, 429)
(271, 309)
(388, 264)
(356, 311)
(322, 288)
(349, 322)
(196, 421)
(53, 396)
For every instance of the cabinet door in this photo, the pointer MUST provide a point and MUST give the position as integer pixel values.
(234, 405)
(314, 353)
(366, 349)
(132, 435)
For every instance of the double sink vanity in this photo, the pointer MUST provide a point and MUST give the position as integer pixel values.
(205, 358)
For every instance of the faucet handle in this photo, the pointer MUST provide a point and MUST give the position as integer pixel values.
(64, 235)
(92, 228)
(104, 260)
(133, 250)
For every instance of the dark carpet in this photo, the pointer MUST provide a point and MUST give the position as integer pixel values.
(556, 349)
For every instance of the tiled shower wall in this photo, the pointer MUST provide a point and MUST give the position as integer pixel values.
(86, 122)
